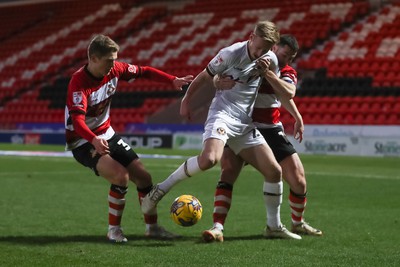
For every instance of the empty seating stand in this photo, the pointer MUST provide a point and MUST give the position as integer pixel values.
(351, 50)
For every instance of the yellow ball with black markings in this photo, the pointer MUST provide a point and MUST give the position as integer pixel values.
(186, 210)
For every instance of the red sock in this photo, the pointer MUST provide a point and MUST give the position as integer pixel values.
(116, 204)
(222, 202)
(297, 205)
(148, 218)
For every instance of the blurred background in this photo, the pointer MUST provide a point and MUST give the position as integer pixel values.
(348, 66)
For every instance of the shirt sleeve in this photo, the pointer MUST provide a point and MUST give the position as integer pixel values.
(76, 98)
(289, 74)
(80, 127)
(219, 63)
(130, 72)
(156, 75)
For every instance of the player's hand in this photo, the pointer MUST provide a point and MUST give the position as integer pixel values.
(101, 145)
(181, 81)
(185, 110)
(262, 65)
(223, 82)
(298, 130)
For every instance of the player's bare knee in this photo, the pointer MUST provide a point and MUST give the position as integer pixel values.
(142, 180)
(274, 174)
(121, 178)
(207, 162)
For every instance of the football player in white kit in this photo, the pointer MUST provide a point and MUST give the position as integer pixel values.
(273, 92)
(229, 121)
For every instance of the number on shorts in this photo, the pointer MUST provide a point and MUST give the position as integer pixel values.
(125, 145)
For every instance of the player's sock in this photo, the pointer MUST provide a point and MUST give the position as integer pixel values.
(151, 217)
(116, 204)
(222, 204)
(189, 168)
(297, 204)
(273, 200)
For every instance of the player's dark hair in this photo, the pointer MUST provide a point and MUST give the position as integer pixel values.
(289, 40)
(102, 45)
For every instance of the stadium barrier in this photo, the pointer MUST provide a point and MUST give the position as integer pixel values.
(318, 139)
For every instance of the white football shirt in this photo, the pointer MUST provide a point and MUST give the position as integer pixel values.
(235, 61)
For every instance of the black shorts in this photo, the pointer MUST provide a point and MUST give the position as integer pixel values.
(119, 150)
(278, 142)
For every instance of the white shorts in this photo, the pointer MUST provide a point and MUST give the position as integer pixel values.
(232, 132)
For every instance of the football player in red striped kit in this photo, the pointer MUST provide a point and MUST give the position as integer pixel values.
(92, 139)
(273, 92)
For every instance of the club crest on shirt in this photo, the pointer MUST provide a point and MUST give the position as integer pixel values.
(132, 68)
(77, 98)
(221, 131)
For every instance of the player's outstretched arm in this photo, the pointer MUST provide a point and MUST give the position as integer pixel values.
(181, 81)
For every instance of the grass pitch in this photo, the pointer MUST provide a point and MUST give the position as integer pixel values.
(53, 212)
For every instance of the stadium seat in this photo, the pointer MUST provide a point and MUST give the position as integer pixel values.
(341, 85)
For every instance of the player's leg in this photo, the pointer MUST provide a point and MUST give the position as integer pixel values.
(113, 168)
(142, 178)
(293, 173)
(210, 155)
(257, 153)
(117, 175)
(123, 153)
(262, 159)
(231, 166)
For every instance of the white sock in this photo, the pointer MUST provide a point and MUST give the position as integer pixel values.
(219, 226)
(273, 200)
(189, 168)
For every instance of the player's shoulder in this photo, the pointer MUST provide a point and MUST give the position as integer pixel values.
(273, 61)
(78, 76)
(272, 56)
(234, 49)
(289, 74)
(227, 57)
(288, 70)
(122, 67)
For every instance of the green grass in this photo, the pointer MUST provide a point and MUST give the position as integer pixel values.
(53, 212)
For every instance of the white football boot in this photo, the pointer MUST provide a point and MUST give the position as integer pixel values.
(280, 232)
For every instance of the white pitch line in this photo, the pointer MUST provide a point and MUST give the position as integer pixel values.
(68, 154)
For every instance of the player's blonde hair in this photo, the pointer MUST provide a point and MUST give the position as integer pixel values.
(267, 30)
(102, 45)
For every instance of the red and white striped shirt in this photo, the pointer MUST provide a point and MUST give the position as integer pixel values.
(91, 97)
(266, 112)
